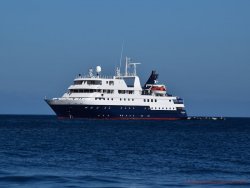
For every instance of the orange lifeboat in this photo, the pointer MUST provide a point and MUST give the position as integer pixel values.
(158, 89)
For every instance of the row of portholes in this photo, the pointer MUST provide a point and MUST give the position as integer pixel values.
(103, 99)
(103, 115)
(92, 107)
(125, 99)
(121, 115)
(129, 108)
(162, 108)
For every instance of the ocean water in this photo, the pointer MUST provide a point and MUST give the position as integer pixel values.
(41, 151)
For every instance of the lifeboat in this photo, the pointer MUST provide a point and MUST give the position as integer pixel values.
(158, 89)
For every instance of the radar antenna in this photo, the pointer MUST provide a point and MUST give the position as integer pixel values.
(91, 73)
(134, 64)
(129, 63)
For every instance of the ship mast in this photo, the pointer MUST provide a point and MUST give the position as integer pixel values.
(129, 63)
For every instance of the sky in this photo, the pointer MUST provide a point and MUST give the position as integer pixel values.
(201, 49)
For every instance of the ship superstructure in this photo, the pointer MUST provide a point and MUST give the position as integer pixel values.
(118, 97)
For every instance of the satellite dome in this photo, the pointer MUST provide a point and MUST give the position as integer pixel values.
(98, 69)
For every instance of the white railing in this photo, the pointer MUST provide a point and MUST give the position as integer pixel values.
(87, 76)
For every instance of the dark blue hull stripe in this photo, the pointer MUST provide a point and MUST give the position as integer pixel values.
(115, 112)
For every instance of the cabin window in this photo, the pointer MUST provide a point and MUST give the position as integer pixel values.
(148, 100)
(121, 91)
(111, 83)
(94, 82)
(126, 91)
(130, 92)
(169, 100)
(78, 82)
(152, 100)
(155, 100)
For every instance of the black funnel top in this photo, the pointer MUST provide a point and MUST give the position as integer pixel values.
(151, 80)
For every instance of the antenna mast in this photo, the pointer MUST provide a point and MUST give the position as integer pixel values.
(129, 63)
(134, 67)
(121, 56)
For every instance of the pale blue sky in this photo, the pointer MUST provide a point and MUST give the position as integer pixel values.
(201, 49)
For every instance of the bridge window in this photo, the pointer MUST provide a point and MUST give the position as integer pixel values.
(94, 82)
(78, 82)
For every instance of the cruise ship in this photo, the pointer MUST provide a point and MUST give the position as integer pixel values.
(118, 97)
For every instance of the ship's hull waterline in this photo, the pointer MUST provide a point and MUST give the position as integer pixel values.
(115, 112)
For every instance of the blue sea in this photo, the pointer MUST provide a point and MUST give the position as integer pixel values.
(42, 151)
